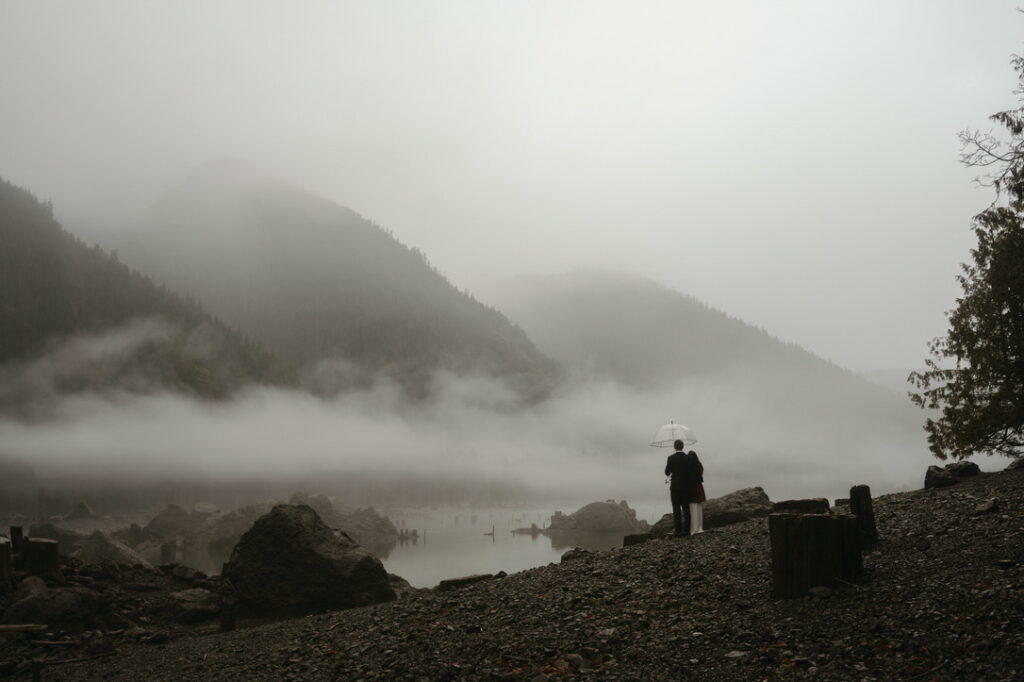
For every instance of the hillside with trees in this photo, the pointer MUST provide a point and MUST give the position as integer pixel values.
(336, 297)
(54, 290)
(607, 326)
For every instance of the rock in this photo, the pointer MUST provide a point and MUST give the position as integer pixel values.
(171, 522)
(576, 553)
(987, 507)
(100, 548)
(290, 564)
(739, 505)
(455, 583)
(67, 540)
(636, 539)
(936, 477)
(82, 511)
(69, 608)
(322, 505)
(963, 469)
(599, 517)
(1016, 465)
(374, 532)
(195, 605)
(211, 543)
(814, 505)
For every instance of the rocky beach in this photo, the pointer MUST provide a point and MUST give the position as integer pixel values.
(941, 598)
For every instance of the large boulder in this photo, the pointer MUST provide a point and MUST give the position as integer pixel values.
(213, 541)
(599, 517)
(100, 548)
(321, 504)
(171, 522)
(67, 608)
(942, 477)
(371, 530)
(194, 605)
(291, 564)
(739, 505)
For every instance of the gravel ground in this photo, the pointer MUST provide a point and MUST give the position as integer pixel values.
(941, 599)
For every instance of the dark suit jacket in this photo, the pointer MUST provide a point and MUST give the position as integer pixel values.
(686, 472)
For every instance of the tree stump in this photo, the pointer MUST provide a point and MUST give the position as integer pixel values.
(860, 505)
(809, 550)
(17, 537)
(42, 559)
(6, 563)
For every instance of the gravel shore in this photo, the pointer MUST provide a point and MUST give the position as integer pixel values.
(942, 598)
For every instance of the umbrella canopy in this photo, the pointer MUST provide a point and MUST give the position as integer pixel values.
(668, 434)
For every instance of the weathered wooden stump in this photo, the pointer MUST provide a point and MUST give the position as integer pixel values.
(169, 552)
(17, 537)
(6, 563)
(860, 505)
(42, 559)
(809, 550)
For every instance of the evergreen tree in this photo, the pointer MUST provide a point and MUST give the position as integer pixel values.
(981, 397)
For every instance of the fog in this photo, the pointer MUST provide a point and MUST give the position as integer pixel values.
(792, 164)
(508, 138)
(587, 442)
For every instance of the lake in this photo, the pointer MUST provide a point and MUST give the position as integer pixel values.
(455, 542)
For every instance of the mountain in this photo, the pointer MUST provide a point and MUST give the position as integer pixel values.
(335, 296)
(606, 326)
(76, 318)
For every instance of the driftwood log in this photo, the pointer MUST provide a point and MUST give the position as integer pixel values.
(811, 550)
(860, 506)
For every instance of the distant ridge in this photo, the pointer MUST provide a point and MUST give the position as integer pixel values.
(338, 298)
(610, 326)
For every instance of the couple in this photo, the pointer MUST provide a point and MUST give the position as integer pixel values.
(687, 490)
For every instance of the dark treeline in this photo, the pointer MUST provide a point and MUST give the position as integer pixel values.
(54, 287)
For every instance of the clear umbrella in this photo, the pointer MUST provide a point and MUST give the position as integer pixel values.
(668, 434)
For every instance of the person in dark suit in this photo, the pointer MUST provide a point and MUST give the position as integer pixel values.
(686, 472)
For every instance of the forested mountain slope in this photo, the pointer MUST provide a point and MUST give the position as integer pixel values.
(54, 289)
(332, 294)
(643, 335)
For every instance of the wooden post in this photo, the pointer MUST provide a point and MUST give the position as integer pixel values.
(860, 505)
(17, 536)
(852, 564)
(809, 550)
(169, 552)
(42, 559)
(6, 564)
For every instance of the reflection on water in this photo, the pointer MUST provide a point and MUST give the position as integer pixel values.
(455, 542)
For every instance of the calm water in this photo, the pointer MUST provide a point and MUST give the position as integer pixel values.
(456, 542)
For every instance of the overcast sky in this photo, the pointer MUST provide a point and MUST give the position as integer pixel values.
(791, 163)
